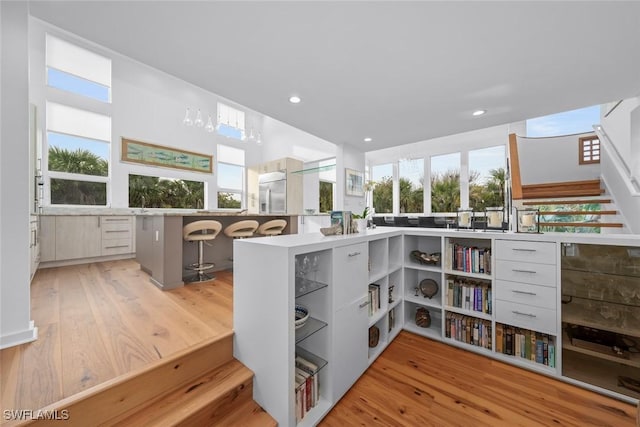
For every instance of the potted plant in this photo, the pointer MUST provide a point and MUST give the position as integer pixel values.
(361, 219)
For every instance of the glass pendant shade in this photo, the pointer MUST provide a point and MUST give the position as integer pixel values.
(199, 122)
(187, 118)
(209, 127)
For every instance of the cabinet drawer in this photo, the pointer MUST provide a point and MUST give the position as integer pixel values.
(526, 272)
(115, 231)
(116, 246)
(524, 293)
(517, 250)
(350, 274)
(526, 316)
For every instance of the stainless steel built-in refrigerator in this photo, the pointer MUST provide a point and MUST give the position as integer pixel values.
(273, 192)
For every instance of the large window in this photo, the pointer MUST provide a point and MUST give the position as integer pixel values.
(78, 155)
(382, 177)
(78, 142)
(230, 177)
(566, 123)
(327, 183)
(158, 192)
(73, 69)
(445, 183)
(487, 176)
(411, 174)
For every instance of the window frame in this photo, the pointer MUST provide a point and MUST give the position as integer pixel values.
(582, 150)
(242, 190)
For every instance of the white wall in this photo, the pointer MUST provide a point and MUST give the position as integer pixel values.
(618, 127)
(544, 160)
(149, 105)
(15, 317)
(351, 158)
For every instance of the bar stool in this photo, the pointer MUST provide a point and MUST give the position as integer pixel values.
(272, 228)
(241, 229)
(201, 232)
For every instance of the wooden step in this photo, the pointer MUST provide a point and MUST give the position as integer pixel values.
(544, 194)
(201, 402)
(582, 224)
(249, 414)
(121, 395)
(562, 189)
(567, 202)
(547, 213)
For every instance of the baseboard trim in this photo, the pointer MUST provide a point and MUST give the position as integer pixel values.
(17, 338)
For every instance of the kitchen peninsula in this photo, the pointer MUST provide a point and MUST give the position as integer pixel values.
(162, 252)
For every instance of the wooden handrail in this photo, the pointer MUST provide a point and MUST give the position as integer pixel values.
(516, 183)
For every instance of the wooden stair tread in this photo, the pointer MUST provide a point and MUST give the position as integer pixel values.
(248, 414)
(199, 402)
(542, 194)
(130, 392)
(567, 202)
(582, 224)
(578, 213)
(590, 183)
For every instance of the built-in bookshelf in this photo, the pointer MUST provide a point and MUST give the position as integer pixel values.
(469, 330)
(385, 291)
(526, 345)
(311, 339)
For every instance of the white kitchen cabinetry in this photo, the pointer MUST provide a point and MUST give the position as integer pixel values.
(351, 306)
(526, 289)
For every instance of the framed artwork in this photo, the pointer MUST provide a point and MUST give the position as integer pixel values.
(158, 155)
(354, 182)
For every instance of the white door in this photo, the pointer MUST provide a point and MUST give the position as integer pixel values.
(350, 345)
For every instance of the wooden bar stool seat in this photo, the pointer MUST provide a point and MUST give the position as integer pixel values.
(272, 228)
(202, 232)
(241, 229)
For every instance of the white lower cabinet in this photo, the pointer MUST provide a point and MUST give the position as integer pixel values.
(350, 345)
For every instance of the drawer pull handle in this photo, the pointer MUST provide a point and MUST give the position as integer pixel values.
(117, 246)
(523, 314)
(116, 231)
(524, 249)
(115, 219)
(364, 304)
(523, 292)
(354, 254)
(524, 271)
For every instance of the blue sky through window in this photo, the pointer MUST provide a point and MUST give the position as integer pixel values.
(566, 123)
(229, 131)
(72, 143)
(71, 83)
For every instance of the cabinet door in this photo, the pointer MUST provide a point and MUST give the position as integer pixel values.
(78, 237)
(47, 238)
(350, 345)
(350, 274)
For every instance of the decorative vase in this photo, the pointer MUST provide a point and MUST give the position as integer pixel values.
(374, 336)
(423, 318)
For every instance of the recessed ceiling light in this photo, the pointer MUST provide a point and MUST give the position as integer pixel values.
(479, 112)
(294, 99)
(367, 139)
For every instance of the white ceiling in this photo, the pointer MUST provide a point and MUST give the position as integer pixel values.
(398, 72)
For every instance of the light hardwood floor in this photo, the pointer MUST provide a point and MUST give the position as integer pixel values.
(420, 382)
(98, 321)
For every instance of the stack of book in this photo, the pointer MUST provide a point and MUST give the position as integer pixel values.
(374, 298)
(467, 329)
(530, 345)
(342, 219)
(469, 259)
(307, 386)
(469, 294)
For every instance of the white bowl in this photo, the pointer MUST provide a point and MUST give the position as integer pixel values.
(302, 314)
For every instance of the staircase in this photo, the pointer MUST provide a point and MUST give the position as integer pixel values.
(200, 386)
(575, 206)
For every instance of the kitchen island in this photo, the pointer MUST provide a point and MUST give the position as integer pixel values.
(162, 252)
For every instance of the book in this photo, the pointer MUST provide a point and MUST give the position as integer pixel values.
(539, 350)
